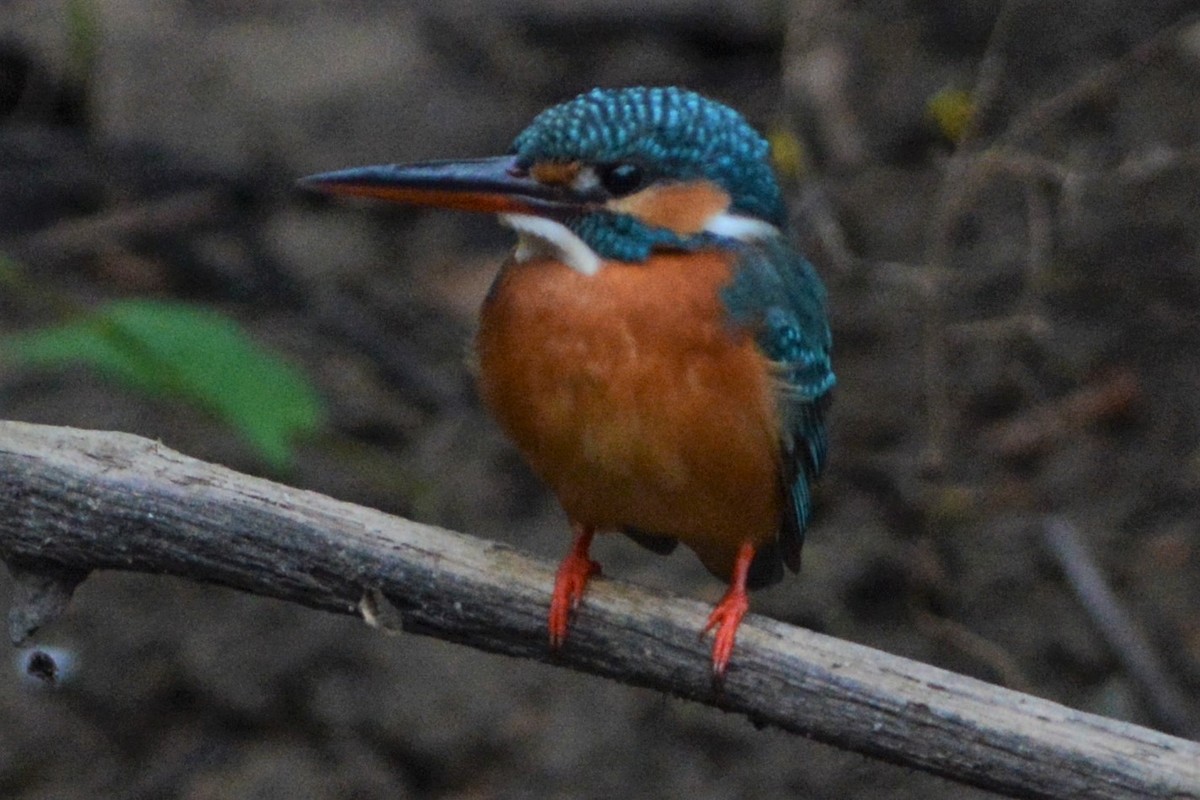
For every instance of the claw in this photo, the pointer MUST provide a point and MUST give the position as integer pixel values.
(728, 613)
(569, 584)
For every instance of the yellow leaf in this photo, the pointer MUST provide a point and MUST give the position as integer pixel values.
(951, 110)
(787, 152)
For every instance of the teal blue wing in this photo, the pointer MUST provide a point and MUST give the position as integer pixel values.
(776, 293)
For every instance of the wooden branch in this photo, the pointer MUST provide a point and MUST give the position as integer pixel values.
(74, 501)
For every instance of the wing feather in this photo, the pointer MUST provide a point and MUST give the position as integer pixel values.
(777, 294)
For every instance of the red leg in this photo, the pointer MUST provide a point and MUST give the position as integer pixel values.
(728, 613)
(569, 583)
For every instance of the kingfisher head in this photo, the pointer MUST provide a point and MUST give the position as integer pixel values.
(611, 175)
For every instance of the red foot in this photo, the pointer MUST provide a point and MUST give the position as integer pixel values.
(728, 613)
(573, 574)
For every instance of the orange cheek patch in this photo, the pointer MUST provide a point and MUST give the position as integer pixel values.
(684, 208)
(554, 173)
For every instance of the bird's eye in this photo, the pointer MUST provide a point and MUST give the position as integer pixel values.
(621, 178)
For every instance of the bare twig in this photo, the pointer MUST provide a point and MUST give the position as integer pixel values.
(1040, 236)
(968, 173)
(1041, 115)
(821, 218)
(817, 72)
(991, 71)
(1166, 699)
(81, 235)
(75, 501)
(963, 177)
(967, 641)
(1045, 424)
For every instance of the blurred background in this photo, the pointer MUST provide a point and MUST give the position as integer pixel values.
(1001, 196)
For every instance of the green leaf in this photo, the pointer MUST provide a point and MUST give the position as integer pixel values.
(175, 350)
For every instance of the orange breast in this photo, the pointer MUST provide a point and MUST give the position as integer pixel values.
(634, 399)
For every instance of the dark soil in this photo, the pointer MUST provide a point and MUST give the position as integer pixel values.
(1017, 330)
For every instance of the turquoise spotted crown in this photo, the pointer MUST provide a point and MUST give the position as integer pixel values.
(670, 132)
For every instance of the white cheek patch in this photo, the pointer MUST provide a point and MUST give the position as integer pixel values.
(538, 236)
(744, 229)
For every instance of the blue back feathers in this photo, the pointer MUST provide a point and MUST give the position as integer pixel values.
(776, 293)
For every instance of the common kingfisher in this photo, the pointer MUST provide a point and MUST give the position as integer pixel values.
(654, 345)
